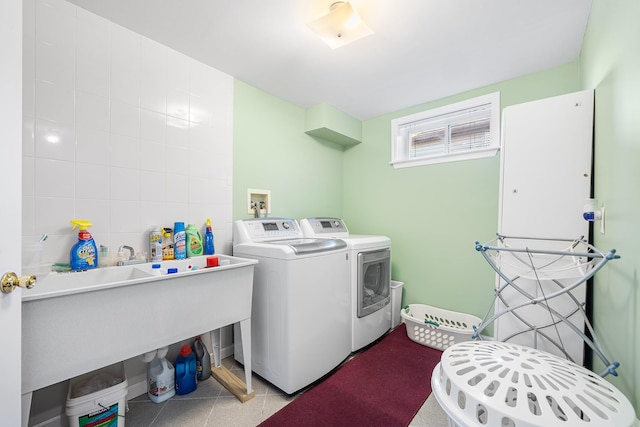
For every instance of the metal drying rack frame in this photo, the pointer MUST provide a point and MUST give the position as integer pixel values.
(595, 260)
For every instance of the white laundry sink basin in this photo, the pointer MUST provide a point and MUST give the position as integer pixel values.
(56, 283)
(67, 283)
(75, 322)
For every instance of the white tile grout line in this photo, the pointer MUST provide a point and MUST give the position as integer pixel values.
(157, 415)
(206, 422)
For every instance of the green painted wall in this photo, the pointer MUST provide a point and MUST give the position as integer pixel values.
(434, 214)
(611, 64)
(272, 152)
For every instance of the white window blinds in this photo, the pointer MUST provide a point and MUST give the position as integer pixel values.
(455, 130)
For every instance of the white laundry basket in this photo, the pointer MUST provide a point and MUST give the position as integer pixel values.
(497, 384)
(436, 327)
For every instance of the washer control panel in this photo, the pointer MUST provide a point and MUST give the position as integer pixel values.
(266, 229)
(324, 227)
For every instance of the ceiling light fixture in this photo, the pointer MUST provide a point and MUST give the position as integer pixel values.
(341, 26)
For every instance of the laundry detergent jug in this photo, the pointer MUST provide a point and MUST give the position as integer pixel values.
(203, 360)
(194, 241)
(186, 374)
(161, 377)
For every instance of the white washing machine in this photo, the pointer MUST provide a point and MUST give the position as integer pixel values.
(369, 275)
(300, 318)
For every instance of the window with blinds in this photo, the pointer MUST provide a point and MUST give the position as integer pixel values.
(461, 131)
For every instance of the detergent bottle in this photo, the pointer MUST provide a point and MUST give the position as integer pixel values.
(194, 241)
(186, 375)
(208, 240)
(160, 375)
(84, 254)
(203, 360)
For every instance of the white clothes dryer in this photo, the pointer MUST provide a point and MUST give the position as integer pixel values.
(300, 318)
(369, 275)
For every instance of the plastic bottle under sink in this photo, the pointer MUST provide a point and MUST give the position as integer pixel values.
(160, 375)
(203, 360)
(186, 374)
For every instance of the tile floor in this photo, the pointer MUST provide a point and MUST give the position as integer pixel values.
(212, 405)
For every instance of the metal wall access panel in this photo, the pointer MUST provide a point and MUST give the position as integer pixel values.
(545, 177)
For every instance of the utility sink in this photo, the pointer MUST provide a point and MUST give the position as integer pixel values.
(75, 322)
(56, 283)
(67, 283)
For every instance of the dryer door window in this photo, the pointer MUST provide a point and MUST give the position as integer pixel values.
(374, 281)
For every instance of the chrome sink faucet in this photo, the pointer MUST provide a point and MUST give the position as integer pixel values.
(132, 253)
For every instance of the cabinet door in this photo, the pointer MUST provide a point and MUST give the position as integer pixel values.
(546, 166)
(545, 179)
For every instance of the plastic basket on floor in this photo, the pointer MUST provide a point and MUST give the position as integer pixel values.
(436, 327)
(497, 384)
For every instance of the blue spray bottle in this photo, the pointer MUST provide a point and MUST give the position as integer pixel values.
(84, 254)
(208, 240)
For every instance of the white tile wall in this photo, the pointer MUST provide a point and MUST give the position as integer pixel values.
(119, 130)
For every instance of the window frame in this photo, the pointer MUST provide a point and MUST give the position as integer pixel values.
(400, 146)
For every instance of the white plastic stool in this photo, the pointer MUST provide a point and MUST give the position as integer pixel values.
(497, 384)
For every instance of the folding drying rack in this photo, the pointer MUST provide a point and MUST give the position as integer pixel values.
(553, 261)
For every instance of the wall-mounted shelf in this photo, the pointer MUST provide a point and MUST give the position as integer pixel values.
(328, 123)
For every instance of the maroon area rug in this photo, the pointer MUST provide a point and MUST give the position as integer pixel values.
(384, 385)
